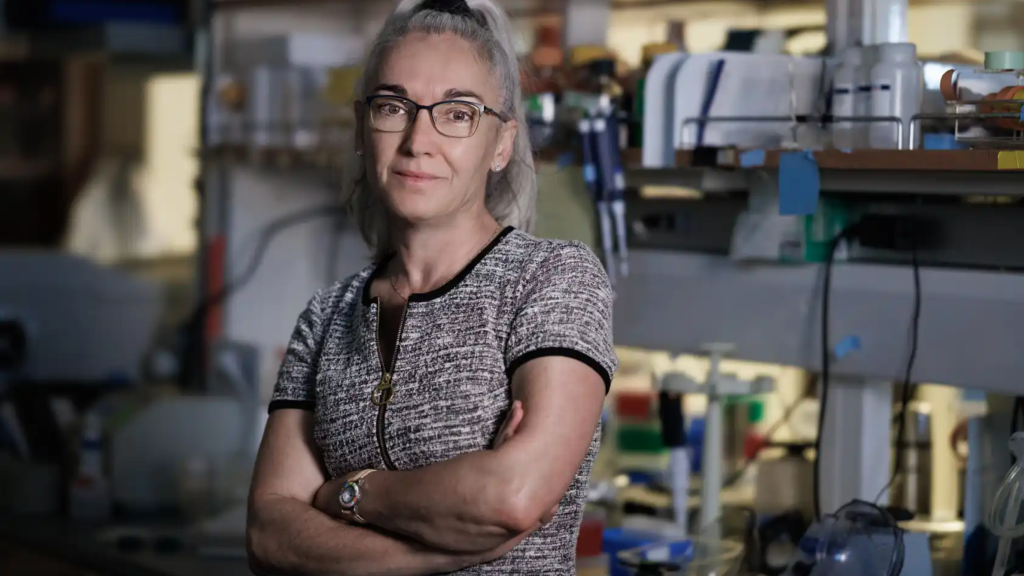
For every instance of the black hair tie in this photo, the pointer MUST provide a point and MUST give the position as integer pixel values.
(453, 7)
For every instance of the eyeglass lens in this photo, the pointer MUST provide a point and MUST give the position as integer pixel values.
(454, 119)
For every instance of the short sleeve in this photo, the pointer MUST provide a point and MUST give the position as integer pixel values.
(296, 379)
(565, 309)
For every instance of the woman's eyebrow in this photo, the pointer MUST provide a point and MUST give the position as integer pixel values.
(393, 88)
(454, 93)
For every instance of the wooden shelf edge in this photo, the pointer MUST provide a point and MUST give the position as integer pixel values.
(876, 160)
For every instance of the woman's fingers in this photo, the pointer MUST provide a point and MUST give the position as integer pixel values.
(545, 519)
(511, 424)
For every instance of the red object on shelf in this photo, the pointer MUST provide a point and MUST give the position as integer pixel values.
(590, 538)
(634, 404)
(753, 444)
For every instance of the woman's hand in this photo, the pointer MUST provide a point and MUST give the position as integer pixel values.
(506, 432)
(509, 426)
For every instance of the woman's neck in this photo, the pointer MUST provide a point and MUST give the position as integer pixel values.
(428, 256)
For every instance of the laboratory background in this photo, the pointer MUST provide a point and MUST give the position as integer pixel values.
(809, 209)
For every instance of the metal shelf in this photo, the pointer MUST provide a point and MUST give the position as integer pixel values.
(928, 172)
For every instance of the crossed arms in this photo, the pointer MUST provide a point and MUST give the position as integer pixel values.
(459, 513)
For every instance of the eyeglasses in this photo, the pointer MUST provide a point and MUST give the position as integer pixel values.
(452, 118)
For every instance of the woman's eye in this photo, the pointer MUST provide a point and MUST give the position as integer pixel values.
(460, 116)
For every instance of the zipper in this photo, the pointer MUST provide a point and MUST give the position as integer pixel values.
(385, 389)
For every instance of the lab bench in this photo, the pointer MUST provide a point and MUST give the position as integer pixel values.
(57, 547)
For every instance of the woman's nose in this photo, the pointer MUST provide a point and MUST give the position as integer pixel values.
(422, 137)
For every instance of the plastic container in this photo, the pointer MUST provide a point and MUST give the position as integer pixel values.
(862, 97)
(897, 86)
(1004, 61)
(859, 540)
(618, 540)
(844, 90)
(697, 557)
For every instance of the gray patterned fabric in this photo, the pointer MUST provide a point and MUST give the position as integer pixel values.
(520, 299)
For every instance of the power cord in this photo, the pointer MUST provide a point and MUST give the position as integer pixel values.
(908, 387)
(192, 353)
(900, 233)
(826, 291)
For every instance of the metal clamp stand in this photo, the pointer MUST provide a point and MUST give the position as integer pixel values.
(715, 387)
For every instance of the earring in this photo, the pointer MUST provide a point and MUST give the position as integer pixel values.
(359, 152)
(497, 167)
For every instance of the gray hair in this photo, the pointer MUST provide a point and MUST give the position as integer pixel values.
(511, 193)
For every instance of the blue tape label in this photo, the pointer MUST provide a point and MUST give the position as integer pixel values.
(752, 158)
(799, 184)
(845, 346)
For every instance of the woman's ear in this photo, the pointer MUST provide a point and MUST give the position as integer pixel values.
(506, 144)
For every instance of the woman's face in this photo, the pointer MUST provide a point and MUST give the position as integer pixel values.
(424, 175)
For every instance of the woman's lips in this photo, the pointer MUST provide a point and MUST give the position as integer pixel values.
(415, 177)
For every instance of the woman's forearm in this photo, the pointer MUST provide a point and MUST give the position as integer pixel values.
(287, 537)
(464, 504)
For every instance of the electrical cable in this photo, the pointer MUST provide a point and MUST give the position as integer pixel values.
(193, 327)
(847, 233)
(825, 357)
(1018, 410)
(907, 385)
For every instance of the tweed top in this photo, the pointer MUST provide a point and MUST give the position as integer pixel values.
(521, 298)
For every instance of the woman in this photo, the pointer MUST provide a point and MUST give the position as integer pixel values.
(382, 454)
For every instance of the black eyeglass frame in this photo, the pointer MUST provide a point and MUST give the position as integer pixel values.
(483, 109)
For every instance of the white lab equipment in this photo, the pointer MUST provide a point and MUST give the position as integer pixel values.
(865, 22)
(844, 90)
(860, 539)
(862, 98)
(747, 85)
(149, 451)
(896, 90)
(716, 386)
(1004, 518)
(659, 102)
(890, 21)
(84, 322)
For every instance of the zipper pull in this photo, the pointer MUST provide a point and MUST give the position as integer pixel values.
(383, 393)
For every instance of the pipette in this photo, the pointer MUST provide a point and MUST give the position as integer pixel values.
(606, 130)
(1007, 526)
(594, 177)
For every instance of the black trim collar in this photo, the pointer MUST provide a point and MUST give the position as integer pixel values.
(444, 288)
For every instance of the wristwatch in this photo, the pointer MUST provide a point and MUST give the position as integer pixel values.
(351, 493)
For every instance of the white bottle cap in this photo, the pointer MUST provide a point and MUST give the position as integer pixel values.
(852, 55)
(869, 55)
(898, 52)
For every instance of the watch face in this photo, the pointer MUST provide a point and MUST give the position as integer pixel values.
(348, 495)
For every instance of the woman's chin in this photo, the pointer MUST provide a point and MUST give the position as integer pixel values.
(417, 212)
